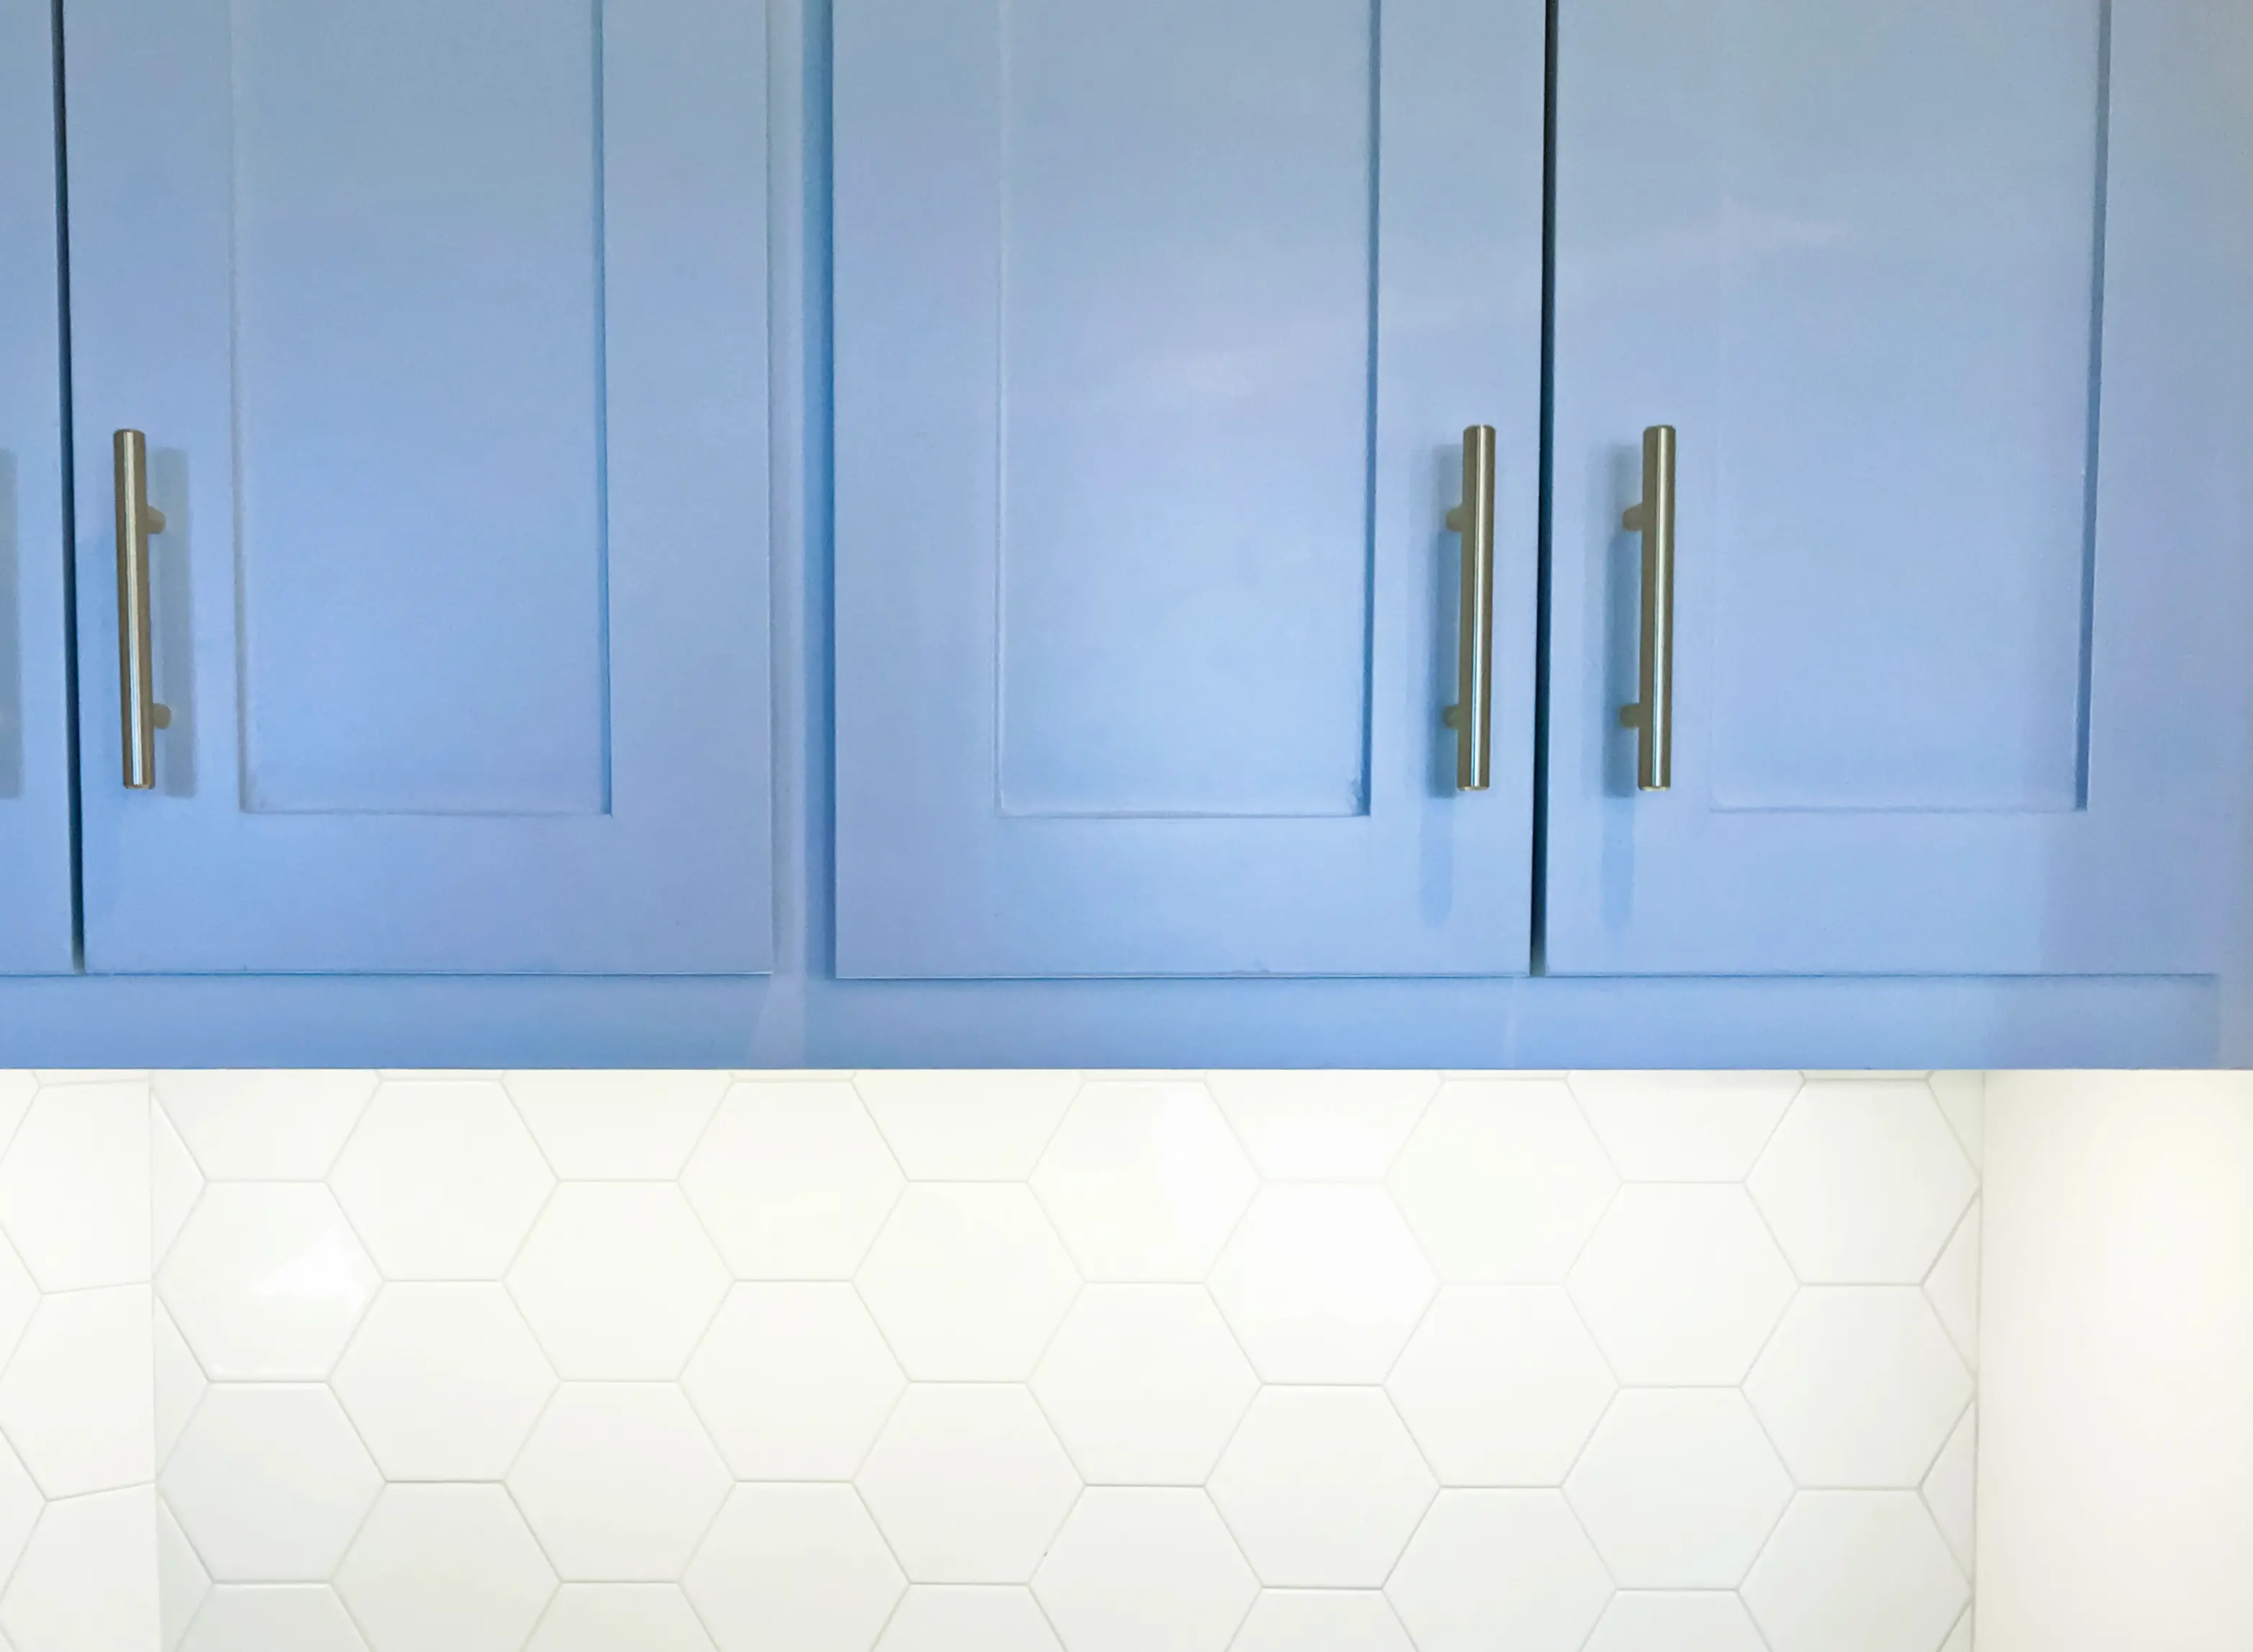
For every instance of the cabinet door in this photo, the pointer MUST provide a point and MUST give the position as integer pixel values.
(1929, 291)
(1158, 328)
(35, 847)
(445, 321)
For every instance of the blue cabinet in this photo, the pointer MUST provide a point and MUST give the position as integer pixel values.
(1123, 358)
(1158, 328)
(1948, 307)
(445, 323)
(1154, 326)
(35, 775)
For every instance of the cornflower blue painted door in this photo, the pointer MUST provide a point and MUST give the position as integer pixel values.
(445, 321)
(1947, 305)
(1158, 326)
(35, 845)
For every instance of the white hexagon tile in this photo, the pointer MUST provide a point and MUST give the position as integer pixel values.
(79, 1533)
(961, 1361)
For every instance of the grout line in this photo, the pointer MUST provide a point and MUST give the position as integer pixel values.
(1589, 1538)
(516, 1111)
(344, 1556)
(1081, 1288)
(1751, 1617)
(867, 1513)
(532, 1531)
(1760, 1548)
(546, 1608)
(1971, 1406)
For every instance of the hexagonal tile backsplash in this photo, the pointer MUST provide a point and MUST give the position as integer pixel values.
(986, 1362)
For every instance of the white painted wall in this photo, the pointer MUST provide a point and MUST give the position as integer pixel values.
(2116, 1450)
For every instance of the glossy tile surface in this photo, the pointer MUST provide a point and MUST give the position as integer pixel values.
(81, 1544)
(1039, 1362)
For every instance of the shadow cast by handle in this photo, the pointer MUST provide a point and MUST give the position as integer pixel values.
(173, 615)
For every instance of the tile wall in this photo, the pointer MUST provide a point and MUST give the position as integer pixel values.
(932, 1362)
(77, 1451)
(1001, 1361)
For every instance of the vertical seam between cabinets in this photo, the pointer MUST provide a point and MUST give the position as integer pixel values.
(2092, 461)
(65, 410)
(1375, 433)
(1538, 959)
(810, 112)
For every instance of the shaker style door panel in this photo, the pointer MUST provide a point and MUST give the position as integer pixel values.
(444, 322)
(1917, 288)
(35, 843)
(1158, 328)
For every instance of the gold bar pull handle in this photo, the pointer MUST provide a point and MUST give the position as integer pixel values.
(140, 715)
(1652, 716)
(1472, 715)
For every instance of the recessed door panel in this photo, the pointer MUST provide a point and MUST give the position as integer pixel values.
(1186, 255)
(418, 356)
(1907, 320)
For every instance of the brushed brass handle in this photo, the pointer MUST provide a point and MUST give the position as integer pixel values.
(1652, 716)
(140, 715)
(1472, 715)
